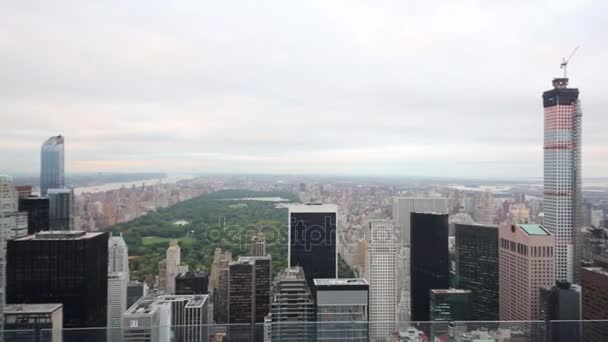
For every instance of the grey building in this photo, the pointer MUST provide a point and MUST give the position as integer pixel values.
(51, 164)
(293, 308)
(403, 207)
(561, 302)
(342, 309)
(192, 282)
(61, 209)
(33, 322)
(136, 290)
(449, 305)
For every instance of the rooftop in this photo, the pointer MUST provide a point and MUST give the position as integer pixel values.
(533, 229)
(60, 235)
(450, 291)
(341, 281)
(149, 304)
(312, 208)
(32, 308)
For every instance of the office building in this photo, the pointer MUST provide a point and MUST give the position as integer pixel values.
(173, 265)
(430, 264)
(192, 282)
(380, 268)
(449, 305)
(71, 267)
(51, 164)
(37, 209)
(312, 240)
(594, 283)
(136, 290)
(13, 222)
(118, 255)
(258, 245)
(562, 176)
(526, 263)
(163, 318)
(477, 268)
(117, 304)
(342, 309)
(61, 209)
(403, 207)
(484, 208)
(220, 297)
(559, 304)
(33, 322)
(162, 275)
(293, 308)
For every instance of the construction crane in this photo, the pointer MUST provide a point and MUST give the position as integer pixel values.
(565, 61)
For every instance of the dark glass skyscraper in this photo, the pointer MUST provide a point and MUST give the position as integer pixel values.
(312, 240)
(37, 209)
(192, 282)
(61, 267)
(51, 164)
(61, 209)
(430, 265)
(477, 268)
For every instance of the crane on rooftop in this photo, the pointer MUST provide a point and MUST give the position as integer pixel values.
(565, 61)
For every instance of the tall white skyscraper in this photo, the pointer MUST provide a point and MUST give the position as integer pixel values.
(381, 270)
(562, 175)
(174, 267)
(404, 206)
(118, 255)
(117, 304)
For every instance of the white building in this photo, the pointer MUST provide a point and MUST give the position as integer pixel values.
(403, 207)
(118, 255)
(117, 304)
(174, 266)
(381, 270)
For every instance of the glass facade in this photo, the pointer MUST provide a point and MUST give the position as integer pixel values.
(51, 164)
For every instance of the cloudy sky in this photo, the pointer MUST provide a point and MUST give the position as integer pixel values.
(436, 88)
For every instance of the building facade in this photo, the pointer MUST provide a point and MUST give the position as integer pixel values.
(118, 255)
(430, 264)
(61, 209)
(258, 245)
(477, 268)
(562, 176)
(117, 304)
(342, 309)
(312, 240)
(192, 282)
(594, 283)
(403, 207)
(173, 265)
(381, 270)
(559, 304)
(51, 164)
(526, 263)
(447, 306)
(33, 322)
(37, 209)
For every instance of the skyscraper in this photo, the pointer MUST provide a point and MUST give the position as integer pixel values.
(13, 222)
(477, 268)
(118, 255)
(429, 259)
(594, 283)
(37, 209)
(380, 268)
(117, 304)
(51, 164)
(258, 245)
(342, 309)
(69, 267)
(560, 303)
(174, 266)
(192, 282)
(526, 263)
(403, 207)
(449, 305)
(562, 176)
(61, 209)
(312, 240)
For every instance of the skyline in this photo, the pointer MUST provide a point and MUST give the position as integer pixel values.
(435, 90)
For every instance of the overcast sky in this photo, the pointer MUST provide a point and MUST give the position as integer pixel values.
(424, 88)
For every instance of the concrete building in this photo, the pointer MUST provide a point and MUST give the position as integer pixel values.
(258, 245)
(477, 268)
(562, 176)
(381, 270)
(174, 266)
(33, 322)
(403, 207)
(485, 209)
(526, 263)
(342, 309)
(594, 283)
(559, 304)
(117, 304)
(52, 164)
(118, 255)
(162, 275)
(61, 209)
(293, 308)
(12, 221)
(312, 240)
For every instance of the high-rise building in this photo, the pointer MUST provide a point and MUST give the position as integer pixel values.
(181, 318)
(312, 240)
(117, 304)
(293, 308)
(192, 282)
(36, 322)
(477, 268)
(381, 257)
(37, 209)
(220, 296)
(71, 267)
(594, 283)
(560, 308)
(61, 209)
(485, 209)
(403, 207)
(221, 260)
(136, 290)
(118, 255)
(430, 264)
(258, 245)
(13, 222)
(526, 263)
(174, 266)
(162, 275)
(342, 309)
(51, 164)
(562, 176)
(449, 305)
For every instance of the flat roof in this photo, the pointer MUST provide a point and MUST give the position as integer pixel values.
(312, 208)
(450, 291)
(340, 281)
(61, 235)
(533, 229)
(32, 308)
